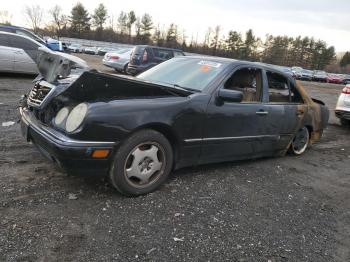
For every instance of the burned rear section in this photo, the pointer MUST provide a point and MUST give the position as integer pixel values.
(317, 115)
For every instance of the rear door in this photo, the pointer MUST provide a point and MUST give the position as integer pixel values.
(285, 109)
(7, 54)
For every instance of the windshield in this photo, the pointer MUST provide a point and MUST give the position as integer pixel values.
(193, 74)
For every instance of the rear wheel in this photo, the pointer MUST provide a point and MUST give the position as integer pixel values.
(300, 141)
(142, 163)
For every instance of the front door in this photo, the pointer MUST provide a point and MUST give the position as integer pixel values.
(238, 130)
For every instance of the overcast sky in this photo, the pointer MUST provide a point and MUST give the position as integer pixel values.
(322, 19)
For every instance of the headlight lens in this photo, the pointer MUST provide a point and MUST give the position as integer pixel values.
(61, 115)
(76, 117)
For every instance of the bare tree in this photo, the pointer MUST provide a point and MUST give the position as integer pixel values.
(34, 15)
(59, 19)
(5, 17)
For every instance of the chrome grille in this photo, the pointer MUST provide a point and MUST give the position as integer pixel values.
(39, 93)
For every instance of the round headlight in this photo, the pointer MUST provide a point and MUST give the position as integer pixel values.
(76, 117)
(61, 115)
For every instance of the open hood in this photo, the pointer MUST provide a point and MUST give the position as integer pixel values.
(52, 64)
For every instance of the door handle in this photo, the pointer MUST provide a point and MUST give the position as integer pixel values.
(262, 113)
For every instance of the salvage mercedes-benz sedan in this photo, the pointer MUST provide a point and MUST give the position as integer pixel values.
(185, 111)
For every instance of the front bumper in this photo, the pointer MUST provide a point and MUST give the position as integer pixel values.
(69, 154)
(342, 114)
(135, 70)
(115, 65)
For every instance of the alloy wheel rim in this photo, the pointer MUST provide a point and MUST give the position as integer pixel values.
(300, 141)
(145, 164)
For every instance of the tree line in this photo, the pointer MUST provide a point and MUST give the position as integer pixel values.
(127, 27)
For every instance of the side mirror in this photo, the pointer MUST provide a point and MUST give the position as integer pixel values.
(230, 95)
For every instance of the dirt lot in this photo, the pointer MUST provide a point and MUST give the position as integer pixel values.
(276, 209)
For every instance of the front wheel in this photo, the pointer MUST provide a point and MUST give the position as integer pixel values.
(142, 163)
(300, 141)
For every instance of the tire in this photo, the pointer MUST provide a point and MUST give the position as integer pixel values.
(125, 68)
(300, 142)
(142, 163)
(345, 122)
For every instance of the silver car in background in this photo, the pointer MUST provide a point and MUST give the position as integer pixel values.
(18, 53)
(342, 110)
(118, 60)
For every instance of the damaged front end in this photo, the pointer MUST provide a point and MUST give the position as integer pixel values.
(59, 113)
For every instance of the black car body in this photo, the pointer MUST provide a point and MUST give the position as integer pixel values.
(144, 57)
(204, 123)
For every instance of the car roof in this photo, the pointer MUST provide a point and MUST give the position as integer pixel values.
(234, 62)
(15, 27)
(22, 36)
(160, 47)
(10, 27)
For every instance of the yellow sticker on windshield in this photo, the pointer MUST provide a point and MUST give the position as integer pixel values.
(209, 64)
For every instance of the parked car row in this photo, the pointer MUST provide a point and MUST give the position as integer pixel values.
(92, 50)
(319, 76)
(139, 59)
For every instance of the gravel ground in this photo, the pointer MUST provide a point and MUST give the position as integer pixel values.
(274, 209)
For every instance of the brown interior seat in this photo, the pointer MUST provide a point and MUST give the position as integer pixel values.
(243, 81)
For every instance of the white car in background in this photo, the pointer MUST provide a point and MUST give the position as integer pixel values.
(118, 60)
(342, 110)
(75, 48)
(19, 54)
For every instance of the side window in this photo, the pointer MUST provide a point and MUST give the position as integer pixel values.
(162, 54)
(249, 82)
(4, 40)
(295, 96)
(21, 32)
(278, 88)
(23, 43)
(145, 56)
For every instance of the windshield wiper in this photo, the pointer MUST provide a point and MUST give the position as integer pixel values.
(186, 88)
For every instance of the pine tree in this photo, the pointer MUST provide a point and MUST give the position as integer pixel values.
(146, 27)
(100, 16)
(131, 19)
(80, 20)
(345, 60)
